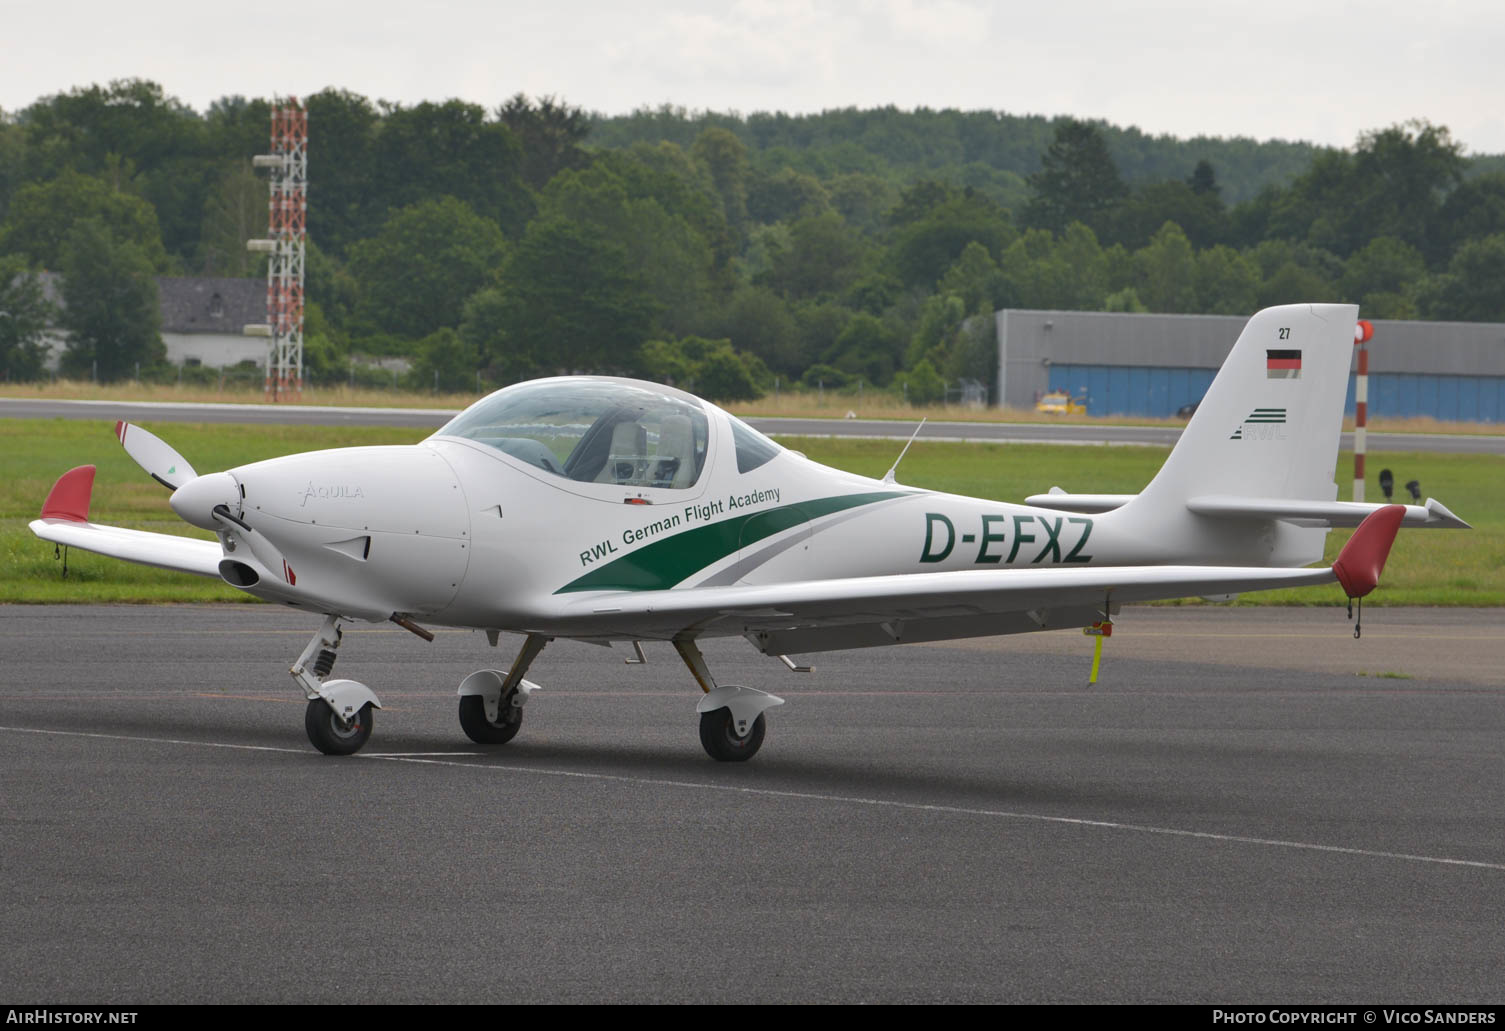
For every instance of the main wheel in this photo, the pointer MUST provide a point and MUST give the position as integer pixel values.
(333, 735)
(718, 733)
(481, 730)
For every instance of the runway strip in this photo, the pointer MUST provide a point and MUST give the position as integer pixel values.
(969, 432)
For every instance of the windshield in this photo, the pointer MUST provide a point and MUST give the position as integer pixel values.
(593, 431)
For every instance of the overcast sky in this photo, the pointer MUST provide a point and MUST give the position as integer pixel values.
(1291, 69)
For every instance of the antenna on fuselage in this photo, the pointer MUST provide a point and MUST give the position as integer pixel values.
(888, 477)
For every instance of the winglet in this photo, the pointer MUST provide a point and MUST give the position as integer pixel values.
(1362, 559)
(69, 496)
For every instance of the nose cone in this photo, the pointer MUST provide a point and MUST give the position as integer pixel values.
(195, 500)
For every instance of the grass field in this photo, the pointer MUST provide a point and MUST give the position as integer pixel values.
(1426, 568)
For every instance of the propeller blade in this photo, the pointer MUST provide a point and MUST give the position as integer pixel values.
(154, 455)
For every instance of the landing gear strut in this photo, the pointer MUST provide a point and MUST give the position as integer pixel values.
(339, 714)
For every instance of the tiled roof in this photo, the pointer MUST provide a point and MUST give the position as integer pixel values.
(200, 304)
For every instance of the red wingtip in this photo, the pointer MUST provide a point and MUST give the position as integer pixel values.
(69, 496)
(1362, 559)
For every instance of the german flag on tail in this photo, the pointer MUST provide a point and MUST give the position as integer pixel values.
(1283, 364)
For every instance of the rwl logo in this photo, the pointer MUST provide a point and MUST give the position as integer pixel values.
(1262, 424)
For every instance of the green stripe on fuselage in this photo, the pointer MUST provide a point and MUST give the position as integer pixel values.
(666, 562)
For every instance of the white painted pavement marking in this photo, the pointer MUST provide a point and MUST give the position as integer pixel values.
(809, 796)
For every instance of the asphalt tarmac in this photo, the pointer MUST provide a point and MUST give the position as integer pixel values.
(1251, 806)
(149, 412)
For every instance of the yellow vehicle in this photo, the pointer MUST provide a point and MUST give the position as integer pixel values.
(1059, 402)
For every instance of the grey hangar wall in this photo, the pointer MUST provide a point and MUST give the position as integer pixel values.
(1151, 365)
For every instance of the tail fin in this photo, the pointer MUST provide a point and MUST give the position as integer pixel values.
(1269, 424)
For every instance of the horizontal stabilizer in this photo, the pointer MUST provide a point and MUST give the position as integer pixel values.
(1433, 515)
(1062, 501)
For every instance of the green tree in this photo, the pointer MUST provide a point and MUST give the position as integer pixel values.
(110, 304)
(235, 211)
(625, 201)
(445, 363)
(924, 248)
(941, 320)
(710, 368)
(1200, 215)
(24, 316)
(236, 127)
(1227, 283)
(550, 133)
(1077, 180)
(1040, 272)
(1382, 275)
(344, 207)
(1471, 289)
(1475, 209)
(415, 275)
(924, 384)
(1203, 180)
(821, 323)
(824, 256)
(758, 321)
(975, 278)
(138, 137)
(1294, 284)
(574, 300)
(725, 157)
(12, 161)
(1393, 184)
(42, 214)
(1081, 254)
(484, 329)
(863, 200)
(785, 196)
(450, 149)
(1168, 271)
(867, 349)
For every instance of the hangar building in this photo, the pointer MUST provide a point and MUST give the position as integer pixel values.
(1151, 365)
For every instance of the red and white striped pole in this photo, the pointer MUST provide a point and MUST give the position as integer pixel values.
(1363, 332)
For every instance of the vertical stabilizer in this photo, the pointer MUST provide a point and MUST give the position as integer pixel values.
(1268, 426)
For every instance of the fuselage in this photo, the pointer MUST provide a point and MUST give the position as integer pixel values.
(483, 523)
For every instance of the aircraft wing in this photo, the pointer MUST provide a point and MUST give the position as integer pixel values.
(816, 615)
(164, 550)
(859, 612)
(65, 520)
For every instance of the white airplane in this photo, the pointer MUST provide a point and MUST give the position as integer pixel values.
(609, 510)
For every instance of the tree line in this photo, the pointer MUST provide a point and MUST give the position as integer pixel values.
(719, 252)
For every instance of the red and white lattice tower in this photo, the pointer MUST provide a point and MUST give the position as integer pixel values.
(287, 245)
